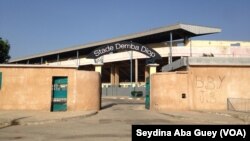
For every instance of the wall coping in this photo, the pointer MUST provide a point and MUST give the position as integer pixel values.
(207, 61)
(34, 66)
(218, 61)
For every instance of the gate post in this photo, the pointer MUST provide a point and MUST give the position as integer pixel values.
(98, 67)
(152, 68)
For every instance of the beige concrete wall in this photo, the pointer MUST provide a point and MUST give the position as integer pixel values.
(31, 88)
(202, 43)
(214, 43)
(211, 86)
(167, 89)
(206, 88)
(88, 91)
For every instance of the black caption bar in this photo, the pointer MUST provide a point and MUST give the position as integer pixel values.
(204, 132)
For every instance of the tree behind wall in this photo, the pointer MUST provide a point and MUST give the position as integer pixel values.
(4, 51)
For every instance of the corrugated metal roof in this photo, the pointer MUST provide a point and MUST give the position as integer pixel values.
(150, 36)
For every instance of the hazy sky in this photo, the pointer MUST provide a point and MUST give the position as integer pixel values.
(38, 26)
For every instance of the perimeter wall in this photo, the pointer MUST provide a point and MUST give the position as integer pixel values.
(201, 88)
(30, 88)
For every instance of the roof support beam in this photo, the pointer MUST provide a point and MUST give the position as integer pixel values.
(131, 69)
(190, 43)
(58, 59)
(77, 57)
(170, 49)
(41, 60)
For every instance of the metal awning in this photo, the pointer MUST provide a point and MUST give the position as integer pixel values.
(179, 31)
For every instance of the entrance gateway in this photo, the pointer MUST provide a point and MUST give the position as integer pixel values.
(127, 46)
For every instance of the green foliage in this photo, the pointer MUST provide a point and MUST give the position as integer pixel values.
(4, 51)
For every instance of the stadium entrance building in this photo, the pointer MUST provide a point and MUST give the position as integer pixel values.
(127, 66)
(65, 79)
(126, 61)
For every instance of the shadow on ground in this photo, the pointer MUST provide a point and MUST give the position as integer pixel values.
(14, 122)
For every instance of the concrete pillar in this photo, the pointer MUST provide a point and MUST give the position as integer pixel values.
(136, 72)
(112, 74)
(98, 67)
(117, 82)
(152, 68)
(186, 41)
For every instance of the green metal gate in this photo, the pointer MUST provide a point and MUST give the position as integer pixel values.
(147, 96)
(0, 80)
(59, 94)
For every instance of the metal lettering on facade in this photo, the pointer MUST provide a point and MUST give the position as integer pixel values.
(124, 46)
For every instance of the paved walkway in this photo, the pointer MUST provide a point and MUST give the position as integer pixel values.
(8, 118)
(112, 123)
(19, 117)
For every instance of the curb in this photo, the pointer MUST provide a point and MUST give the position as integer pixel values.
(10, 123)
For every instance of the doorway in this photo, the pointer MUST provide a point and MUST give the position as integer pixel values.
(59, 94)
